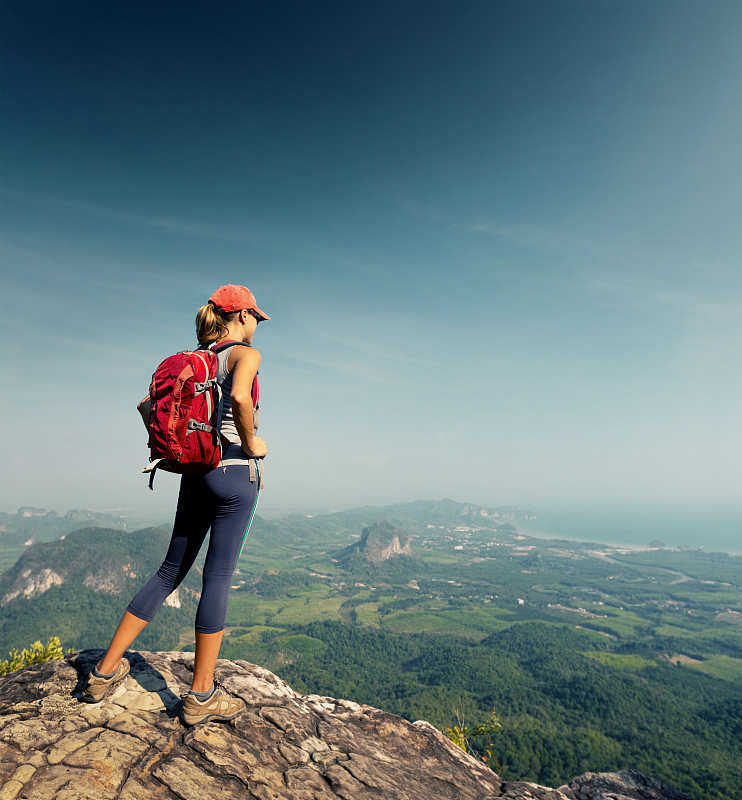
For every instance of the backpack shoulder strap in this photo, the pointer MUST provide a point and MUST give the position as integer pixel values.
(224, 345)
(255, 389)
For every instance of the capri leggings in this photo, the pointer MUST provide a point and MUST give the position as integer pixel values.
(223, 500)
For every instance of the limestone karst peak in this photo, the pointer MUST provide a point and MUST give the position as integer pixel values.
(379, 542)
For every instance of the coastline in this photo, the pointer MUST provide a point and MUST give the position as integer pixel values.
(547, 535)
(550, 536)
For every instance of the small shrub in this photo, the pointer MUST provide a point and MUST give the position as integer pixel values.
(36, 653)
(478, 740)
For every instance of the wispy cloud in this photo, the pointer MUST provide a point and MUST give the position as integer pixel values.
(712, 335)
(72, 267)
(181, 226)
(391, 353)
(705, 307)
(251, 233)
(694, 292)
(353, 367)
(523, 234)
(528, 235)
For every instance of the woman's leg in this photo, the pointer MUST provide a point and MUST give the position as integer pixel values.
(236, 501)
(193, 518)
(207, 652)
(192, 521)
(129, 628)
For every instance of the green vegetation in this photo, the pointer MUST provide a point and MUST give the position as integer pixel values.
(84, 618)
(36, 653)
(723, 667)
(567, 703)
(78, 588)
(478, 740)
(626, 662)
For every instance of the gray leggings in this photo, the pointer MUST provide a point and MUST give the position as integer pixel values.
(223, 500)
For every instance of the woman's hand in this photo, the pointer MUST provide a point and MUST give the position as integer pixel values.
(258, 448)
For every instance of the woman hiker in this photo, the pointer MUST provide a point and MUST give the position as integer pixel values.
(223, 499)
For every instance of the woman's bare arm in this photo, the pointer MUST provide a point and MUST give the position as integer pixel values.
(246, 363)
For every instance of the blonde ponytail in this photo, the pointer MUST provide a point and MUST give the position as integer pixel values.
(211, 323)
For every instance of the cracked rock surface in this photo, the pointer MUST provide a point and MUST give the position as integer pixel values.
(619, 785)
(286, 746)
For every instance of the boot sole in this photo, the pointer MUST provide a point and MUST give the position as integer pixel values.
(209, 717)
(87, 698)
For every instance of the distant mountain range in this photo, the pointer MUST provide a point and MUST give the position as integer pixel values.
(30, 524)
(75, 583)
(413, 518)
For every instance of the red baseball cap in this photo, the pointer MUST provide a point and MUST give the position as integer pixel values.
(235, 298)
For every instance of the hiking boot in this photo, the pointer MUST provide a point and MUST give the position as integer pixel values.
(220, 707)
(96, 688)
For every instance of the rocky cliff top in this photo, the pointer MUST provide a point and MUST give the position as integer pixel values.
(286, 746)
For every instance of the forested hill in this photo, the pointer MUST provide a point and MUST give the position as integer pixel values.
(31, 525)
(78, 587)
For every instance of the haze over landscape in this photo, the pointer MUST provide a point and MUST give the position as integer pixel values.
(499, 243)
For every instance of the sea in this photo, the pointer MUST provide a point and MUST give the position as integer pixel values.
(713, 528)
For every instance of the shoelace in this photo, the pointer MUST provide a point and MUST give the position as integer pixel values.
(217, 685)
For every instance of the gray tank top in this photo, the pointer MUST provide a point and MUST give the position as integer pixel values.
(224, 379)
(232, 453)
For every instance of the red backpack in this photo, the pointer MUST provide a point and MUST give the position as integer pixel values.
(185, 413)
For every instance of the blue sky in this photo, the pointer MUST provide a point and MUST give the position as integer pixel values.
(499, 241)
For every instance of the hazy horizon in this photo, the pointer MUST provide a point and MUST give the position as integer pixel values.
(499, 243)
(712, 529)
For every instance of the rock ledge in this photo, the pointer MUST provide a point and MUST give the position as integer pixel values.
(286, 746)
